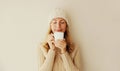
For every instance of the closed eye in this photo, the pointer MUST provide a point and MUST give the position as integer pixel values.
(62, 22)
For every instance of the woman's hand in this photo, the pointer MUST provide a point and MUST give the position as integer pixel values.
(61, 44)
(50, 40)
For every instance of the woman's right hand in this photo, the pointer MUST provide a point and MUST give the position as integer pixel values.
(50, 41)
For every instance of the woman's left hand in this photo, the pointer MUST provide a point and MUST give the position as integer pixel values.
(61, 43)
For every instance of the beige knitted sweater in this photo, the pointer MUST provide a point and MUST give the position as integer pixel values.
(50, 61)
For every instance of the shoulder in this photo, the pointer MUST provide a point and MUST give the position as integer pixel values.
(75, 51)
(75, 47)
(42, 49)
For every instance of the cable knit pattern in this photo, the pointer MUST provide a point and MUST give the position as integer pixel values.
(49, 61)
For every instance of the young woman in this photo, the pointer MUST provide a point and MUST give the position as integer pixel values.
(59, 55)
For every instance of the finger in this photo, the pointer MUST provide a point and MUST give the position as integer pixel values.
(59, 40)
(53, 41)
(52, 34)
(50, 37)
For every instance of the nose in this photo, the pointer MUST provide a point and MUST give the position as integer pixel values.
(58, 25)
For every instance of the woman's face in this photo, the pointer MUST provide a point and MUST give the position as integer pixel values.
(58, 25)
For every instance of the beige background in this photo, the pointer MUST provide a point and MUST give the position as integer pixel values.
(95, 26)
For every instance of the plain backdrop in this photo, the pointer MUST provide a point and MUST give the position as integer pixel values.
(95, 28)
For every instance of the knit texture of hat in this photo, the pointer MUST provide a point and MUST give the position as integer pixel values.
(58, 13)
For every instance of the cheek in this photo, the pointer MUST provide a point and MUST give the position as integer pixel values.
(64, 28)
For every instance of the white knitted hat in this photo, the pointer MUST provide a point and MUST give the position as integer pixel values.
(58, 12)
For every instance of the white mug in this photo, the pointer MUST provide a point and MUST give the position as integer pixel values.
(58, 35)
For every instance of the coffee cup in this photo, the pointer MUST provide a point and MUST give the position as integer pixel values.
(58, 35)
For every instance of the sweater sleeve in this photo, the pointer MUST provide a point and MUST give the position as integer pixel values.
(69, 64)
(46, 62)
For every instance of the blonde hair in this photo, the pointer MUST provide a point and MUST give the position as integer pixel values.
(70, 45)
